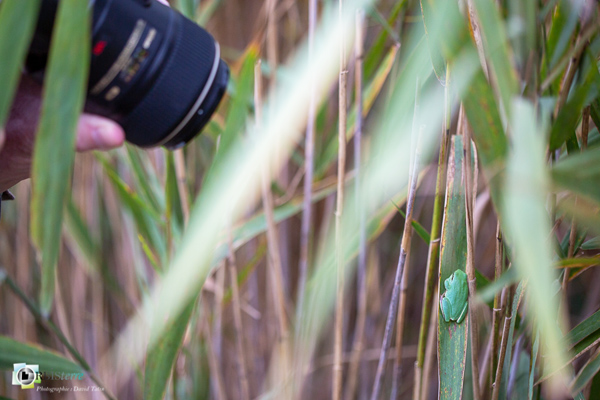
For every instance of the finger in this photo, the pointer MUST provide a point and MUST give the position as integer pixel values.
(98, 133)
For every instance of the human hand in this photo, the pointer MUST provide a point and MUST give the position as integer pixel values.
(17, 141)
(18, 138)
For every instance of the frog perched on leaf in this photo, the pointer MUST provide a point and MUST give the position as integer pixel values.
(454, 301)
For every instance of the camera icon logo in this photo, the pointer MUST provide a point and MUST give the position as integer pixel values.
(26, 375)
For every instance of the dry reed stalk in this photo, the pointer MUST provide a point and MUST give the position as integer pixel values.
(485, 366)
(499, 368)
(339, 303)
(470, 193)
(404, 249)
(22, 322)
(180, 173)
(217, 333)
(359, 328)
(309, 148)
(431, 352)
(237, 320)
(582, 40)
(567, 79)
(406, 241)
(585, 127)
(497, 309)
(271, 38)
(217, 385)
(274, 265)
(434, 244)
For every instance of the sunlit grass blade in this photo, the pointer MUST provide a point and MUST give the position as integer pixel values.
(231, 188)
(12, 351)
(419, 229)
(452, 337)
(534, 356)
(173, 210)
(17, 21)
(580, 173)
(375, 51)
(437, 59)
(147, 221)
(497, 51)
(527, 224)
(64, 94)
(163, 354)
(570, 114)
(587, 372)
(80, 233)
(488, 133)
(564, 23)
(145, 179)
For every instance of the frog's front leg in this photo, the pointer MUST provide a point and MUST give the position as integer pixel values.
(446, 308)
(463, 313)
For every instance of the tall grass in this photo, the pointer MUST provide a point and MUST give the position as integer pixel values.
(259, 261)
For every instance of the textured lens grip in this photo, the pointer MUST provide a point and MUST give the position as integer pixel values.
(181, 80)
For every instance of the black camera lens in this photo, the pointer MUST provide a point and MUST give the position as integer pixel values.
(152, 70)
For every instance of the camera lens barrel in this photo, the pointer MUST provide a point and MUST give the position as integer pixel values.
(152, 70)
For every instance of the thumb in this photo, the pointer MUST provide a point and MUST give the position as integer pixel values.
(98, 133)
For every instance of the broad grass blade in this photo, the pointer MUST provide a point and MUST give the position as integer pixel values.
(161, 357)
(589, 370)
(570, 114)
(492, 145)
(580, 173)
(17, 21)
(437, 59)
(64, 94)
(452, 337)
(12, 351)
(497, 50)
(526, 224)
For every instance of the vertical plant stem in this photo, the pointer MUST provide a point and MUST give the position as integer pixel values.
(237, 320)
(497, 310)
(404, 248)
(585, 126)
(406, 241)
(181, 183)
(470, 193)
(434, 244)
(309, 148)
(271, 33)
(217, 334)
(430, 352)
(341, 174)
(567, 79)
(499, 368)
(216, 379)
(359, 328)
(274, 264)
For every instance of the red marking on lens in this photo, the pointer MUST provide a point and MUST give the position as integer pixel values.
(99, 47)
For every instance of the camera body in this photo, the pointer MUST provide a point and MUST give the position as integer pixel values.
(156, 73)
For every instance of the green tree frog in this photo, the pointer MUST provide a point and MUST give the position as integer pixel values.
(454, 301)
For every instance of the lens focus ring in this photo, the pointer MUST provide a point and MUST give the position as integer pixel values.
(172, 95)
